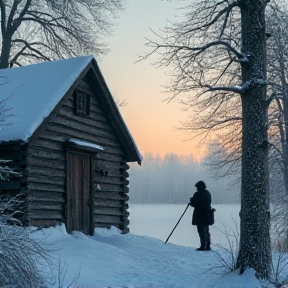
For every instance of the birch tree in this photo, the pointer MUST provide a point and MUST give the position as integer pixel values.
(205, 51)
(44, 30)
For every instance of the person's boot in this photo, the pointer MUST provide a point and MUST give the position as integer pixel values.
(201, 248)
(208, 248)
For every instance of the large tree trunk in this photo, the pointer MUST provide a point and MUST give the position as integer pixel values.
(5, 50)
(6, 33)
(255, 249)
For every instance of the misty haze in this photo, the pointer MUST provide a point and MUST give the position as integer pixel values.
(171, 180)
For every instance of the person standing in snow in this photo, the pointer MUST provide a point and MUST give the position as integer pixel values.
(201, 201)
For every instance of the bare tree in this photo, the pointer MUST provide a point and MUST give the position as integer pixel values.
(230, 140)
(205, 50)
(43, 30)
(220, 164)
(226, 159)
(278, 114)
(278, 65)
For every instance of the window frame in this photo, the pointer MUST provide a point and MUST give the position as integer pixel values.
(78, 96)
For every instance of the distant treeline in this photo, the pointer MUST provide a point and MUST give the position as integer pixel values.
(172, 180)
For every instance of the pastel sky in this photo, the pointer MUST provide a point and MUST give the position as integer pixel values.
(151, 121)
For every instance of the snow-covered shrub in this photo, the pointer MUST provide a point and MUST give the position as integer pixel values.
(279, 225)
(279, 275)
(6, 172)
(227, 254)
(20, 254)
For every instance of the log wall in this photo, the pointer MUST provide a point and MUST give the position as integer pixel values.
(46, 173)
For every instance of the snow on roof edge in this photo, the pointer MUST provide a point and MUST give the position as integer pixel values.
(85, 143)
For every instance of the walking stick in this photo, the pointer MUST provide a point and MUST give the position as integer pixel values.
(177, 223)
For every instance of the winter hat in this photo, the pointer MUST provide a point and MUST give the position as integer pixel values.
(200, 185)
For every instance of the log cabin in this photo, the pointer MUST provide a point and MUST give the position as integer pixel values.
(65, 135)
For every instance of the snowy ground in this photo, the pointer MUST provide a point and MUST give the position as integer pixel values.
(110, 259)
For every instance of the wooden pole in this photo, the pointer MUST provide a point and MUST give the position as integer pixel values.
(177, 223)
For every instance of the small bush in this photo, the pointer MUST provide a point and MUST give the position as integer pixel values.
(279, 271)
(227, 255)
(20, 254)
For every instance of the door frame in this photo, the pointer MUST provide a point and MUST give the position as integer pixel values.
(69, 193)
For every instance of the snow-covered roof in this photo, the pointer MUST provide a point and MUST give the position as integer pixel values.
(32, 91)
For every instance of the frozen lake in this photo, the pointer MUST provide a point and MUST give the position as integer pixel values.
(158, 220)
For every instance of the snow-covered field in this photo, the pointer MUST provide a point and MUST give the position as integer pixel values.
(110, 259)
(159, 220)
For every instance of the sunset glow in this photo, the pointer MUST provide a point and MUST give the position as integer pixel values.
(152, 122)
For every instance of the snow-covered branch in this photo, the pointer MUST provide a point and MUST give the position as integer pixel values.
(252, 83)
(234, 89)
(5, 171)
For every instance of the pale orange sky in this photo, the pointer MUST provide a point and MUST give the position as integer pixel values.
(151, 121)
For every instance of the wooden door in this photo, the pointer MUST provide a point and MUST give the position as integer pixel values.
(79, 193)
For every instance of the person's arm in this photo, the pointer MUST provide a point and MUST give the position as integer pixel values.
(193, 200)
(207, 201)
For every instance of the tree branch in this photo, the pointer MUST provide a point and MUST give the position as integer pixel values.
(29, 46)
(176, 48)
(3, 18)
(226, 11)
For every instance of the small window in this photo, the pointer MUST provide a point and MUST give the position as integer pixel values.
(82, 103)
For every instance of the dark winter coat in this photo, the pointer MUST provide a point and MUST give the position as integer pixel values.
(201, 201)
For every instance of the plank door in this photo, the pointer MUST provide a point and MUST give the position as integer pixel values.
(79, 193)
